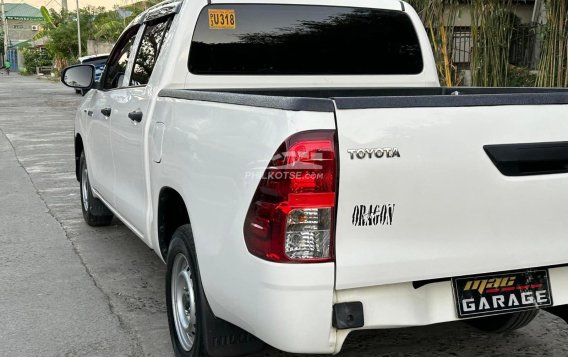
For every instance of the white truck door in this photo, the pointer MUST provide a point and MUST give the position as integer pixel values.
(97, 145)
(130, 117)
(99, 116)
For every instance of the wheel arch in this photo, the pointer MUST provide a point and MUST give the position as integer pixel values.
(172, 213)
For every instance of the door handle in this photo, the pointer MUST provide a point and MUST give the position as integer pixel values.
(135, 115)
(106, 112)
(89, 112)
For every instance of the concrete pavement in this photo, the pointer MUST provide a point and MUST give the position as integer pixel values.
(105, 286)
(49, 303)
(69, 289)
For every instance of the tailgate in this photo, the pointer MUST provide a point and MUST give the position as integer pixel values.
(424, 200)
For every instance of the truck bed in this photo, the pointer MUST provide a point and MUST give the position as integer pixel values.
(477, 183)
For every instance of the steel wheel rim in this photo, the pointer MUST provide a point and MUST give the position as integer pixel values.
(85, 188)
(183, 302)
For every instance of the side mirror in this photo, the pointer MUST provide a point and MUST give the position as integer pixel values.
(81, 76)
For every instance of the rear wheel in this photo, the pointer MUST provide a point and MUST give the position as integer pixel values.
(504, 323)
(194, 329)
(94, 210)
(183, 295)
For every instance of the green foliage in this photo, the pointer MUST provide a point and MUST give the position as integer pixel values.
(438, 17)
(24, 45)
(47, 17)
(35, 57)
(61, 34)
(553, 65)
(491, 32)
(60, 29)
(520, 77)
(108, 26)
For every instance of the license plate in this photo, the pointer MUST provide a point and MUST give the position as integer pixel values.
(497, 293)
(221, 19)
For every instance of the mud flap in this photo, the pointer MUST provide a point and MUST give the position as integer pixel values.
(223, 339)
(560, 311)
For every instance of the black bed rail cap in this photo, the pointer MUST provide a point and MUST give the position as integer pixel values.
(253, 100)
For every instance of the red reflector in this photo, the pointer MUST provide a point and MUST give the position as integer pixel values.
(311, 199)
(259, 227)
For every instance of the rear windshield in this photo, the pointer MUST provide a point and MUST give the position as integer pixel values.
(257, 39)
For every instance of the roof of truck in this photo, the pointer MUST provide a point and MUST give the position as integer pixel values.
(380, 4)
(168, 6)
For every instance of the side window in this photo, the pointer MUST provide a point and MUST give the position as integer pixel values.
(148, 51)
(118, 61)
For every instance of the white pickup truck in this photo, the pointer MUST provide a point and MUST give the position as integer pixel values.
(302, 173)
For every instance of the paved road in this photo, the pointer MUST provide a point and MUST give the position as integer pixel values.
(68, 289)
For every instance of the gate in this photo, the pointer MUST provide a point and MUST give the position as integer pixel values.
(13, 58)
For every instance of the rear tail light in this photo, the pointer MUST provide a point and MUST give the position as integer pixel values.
(291, 216)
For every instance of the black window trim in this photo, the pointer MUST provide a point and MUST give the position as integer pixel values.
(167, 18)
(165, 9)
(120, 44)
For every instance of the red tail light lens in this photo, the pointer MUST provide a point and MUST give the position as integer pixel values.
(291, 216)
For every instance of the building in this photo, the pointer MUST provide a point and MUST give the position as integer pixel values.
(523, 42)
(23, 22)
(523, 9)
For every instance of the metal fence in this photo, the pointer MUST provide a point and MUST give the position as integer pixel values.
(522, 53)
(461, 46)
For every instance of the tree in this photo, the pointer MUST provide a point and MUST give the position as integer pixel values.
(61, 32)
(97, 23)
(108, 26)
(491, 32)
(553, 64)
(438, 17)
(35, 57)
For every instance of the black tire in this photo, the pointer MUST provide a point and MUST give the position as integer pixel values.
(95, 212)
(183, 247)
(504, 323)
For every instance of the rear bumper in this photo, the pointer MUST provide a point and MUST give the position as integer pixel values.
(288, 306)
(401, 305)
